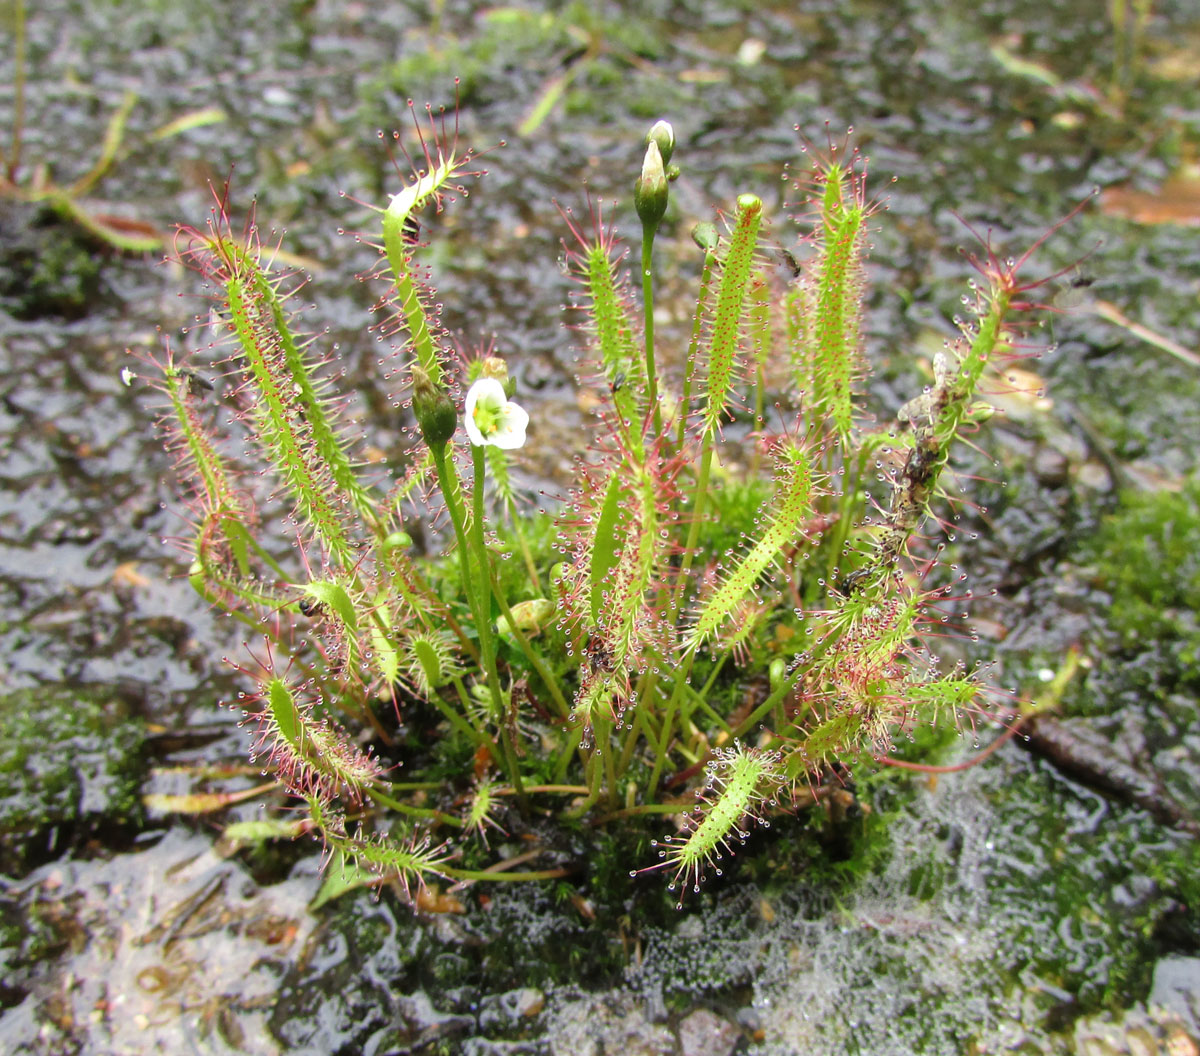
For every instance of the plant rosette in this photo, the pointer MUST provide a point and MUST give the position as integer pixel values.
(491, 418)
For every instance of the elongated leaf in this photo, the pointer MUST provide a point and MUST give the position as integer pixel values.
(343, 874)
(333, 594)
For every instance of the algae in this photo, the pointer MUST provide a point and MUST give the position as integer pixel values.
(70, 764)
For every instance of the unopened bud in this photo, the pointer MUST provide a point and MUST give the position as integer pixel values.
(197, 577)
(436, 415)
(663, 136)
(705, 236)
(495, 367)
(980, 411)
(530, 616)
(397, 540)
(650, 191)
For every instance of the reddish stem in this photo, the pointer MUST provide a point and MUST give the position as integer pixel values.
(926, 768)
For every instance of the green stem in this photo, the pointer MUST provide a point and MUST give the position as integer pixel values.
(642, 809)
(415, 786)
(459, 723)
(668, 726)
(631, 738)
(484, 874)
(478, 597)
(699, 502)
(413, 812)
(648, 231)
(448, 483)
(610, 773)
(566, 790)
(593, 770)
(19, 61)
(765, 708)
(568, 753)
(851, 509)
(482, 565)
(701, 698)
(523, 545)
(710, 260)
(487, 641)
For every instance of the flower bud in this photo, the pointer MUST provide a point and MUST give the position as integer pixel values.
(436, 415)
(531, 616)
(650, 191)
(495, 367)
(197, 577)
(776, 672)
(980, 411)
(705, 236)
(397, 540)
(663, 136)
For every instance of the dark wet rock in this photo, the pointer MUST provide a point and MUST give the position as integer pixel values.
(1086, 754)
(750, 1020)
(426, 1024)
(538, 372)
(485, 1047)
(924, 88)
(70, 765)
(170, 949)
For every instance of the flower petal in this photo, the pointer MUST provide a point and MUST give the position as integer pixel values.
(505, 421)
(511, 433)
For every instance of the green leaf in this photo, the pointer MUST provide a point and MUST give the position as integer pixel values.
(209, 115)
(285, 712)
(334, 595)
(607, 542)
(343, 874)
(242, 834)
(201, 802)
(386, 657)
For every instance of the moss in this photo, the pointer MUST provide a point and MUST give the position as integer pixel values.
(70, 762)
(1097, 896)
(1145, 648)
(47, 267)
(734, 508)
(1147, 556)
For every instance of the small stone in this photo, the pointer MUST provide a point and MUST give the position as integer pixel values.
(529, 1002)
(1177, 989)
(1180, 1043)
(1095, 1047)
(1094, 476)
(750, 1020)
(703, 1033)
(1140, 1042)
(1050, 467)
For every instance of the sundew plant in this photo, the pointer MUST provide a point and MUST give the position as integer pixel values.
(626, 657)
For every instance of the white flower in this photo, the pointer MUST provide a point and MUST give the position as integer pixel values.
(492, 419)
